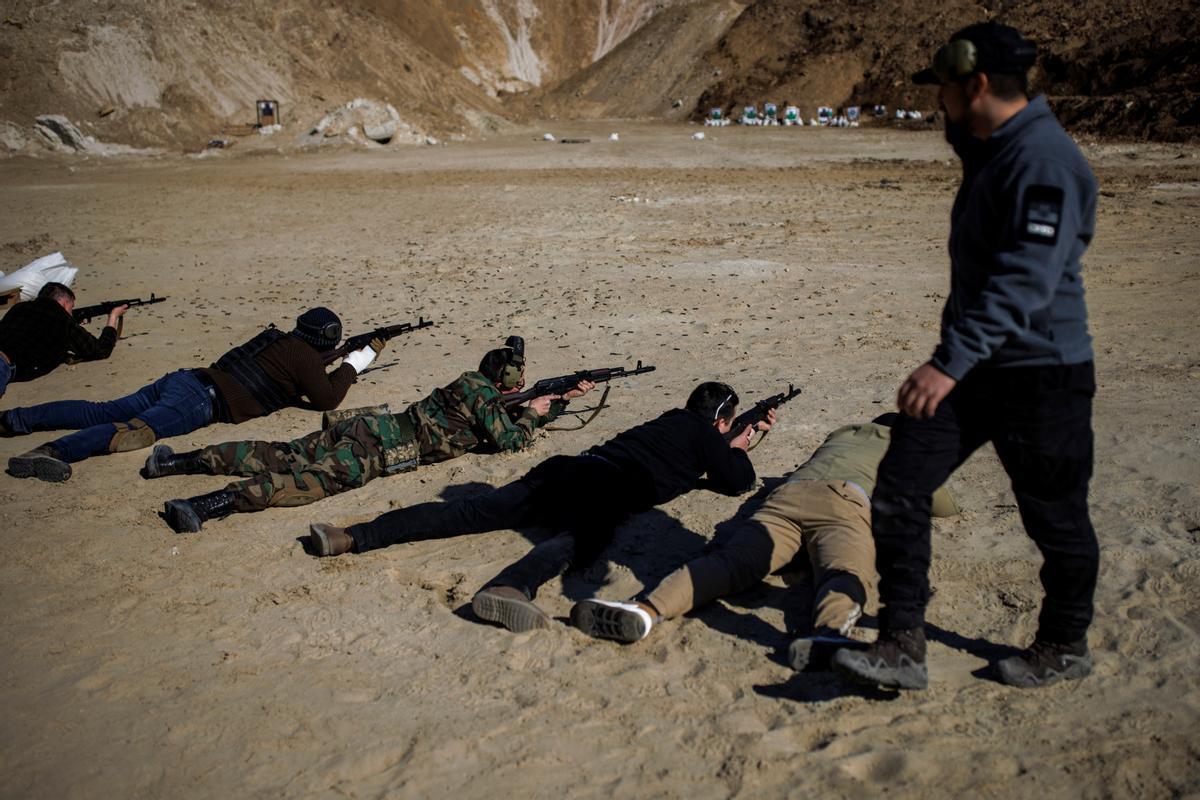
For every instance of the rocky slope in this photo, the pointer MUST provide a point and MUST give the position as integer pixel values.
(175, 74)
(158, 72)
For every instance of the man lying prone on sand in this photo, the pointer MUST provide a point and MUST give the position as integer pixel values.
(468, 414)
(822, 510)
(586, 497)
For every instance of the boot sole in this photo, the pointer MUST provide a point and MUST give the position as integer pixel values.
(150, 470)
(181, 517)
(816, 654)
(518, 616)
(854, 665)
(605, 622)
(43, 468)
(320, 541)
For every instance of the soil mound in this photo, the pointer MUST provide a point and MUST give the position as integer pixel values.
(1119, 68)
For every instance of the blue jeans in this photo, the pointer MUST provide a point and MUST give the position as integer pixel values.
(6, 373)
(175, 404)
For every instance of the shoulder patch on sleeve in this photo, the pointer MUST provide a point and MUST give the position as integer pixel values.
(1041, 214)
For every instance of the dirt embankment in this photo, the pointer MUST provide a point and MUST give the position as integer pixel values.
(655, 73)
(154, 72)
(1119, 68)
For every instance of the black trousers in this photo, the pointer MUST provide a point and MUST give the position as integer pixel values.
(584, 497)
(1039, 419)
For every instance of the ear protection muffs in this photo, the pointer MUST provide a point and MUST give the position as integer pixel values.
(955, 60)
(320, 327)
(514, 349)
(960, 58)
(510, 376)
(331, 331)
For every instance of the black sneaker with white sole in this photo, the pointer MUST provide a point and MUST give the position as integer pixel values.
(610, 619)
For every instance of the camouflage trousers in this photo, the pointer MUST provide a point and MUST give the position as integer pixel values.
(345, 456)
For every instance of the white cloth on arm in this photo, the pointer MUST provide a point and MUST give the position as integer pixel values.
(361, 359)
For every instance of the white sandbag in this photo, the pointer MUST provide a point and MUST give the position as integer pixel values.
(37, 273)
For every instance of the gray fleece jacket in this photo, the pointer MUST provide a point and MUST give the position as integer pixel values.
(1024, 214)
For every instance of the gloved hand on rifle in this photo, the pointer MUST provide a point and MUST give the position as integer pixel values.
(361, 359)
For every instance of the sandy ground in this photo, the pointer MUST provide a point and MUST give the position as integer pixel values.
(230, 663)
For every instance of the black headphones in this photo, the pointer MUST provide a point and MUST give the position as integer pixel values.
(320, 327)
(332, 331)
(955, 60)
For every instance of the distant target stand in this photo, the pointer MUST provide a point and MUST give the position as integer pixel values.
(268, 112)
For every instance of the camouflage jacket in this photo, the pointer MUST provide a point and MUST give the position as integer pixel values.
(469, 415)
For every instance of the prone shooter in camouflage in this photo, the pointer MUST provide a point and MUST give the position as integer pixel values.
(355, 448)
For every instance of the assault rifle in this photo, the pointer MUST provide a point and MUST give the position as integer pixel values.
(85, 313)
(565, 383)
(758, 413)
(387, 332)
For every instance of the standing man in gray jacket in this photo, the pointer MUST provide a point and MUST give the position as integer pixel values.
(1014, 366)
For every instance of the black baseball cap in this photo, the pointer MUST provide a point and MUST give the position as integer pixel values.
(982, 47)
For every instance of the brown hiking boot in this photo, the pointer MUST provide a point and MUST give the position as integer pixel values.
(509, 607)
(1045, 663)
(896, 660)
(327, 540)
(43, 463)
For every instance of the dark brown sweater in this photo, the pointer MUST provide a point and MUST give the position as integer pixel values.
(295, 366)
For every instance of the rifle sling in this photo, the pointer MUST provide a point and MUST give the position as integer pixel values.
(595, 412)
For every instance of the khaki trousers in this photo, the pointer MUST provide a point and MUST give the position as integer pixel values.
(829, 520)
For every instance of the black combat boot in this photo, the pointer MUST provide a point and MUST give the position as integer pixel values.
(896, 660)
(43, 463)
(188, 516)
(1045, 663)
(164, 461)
